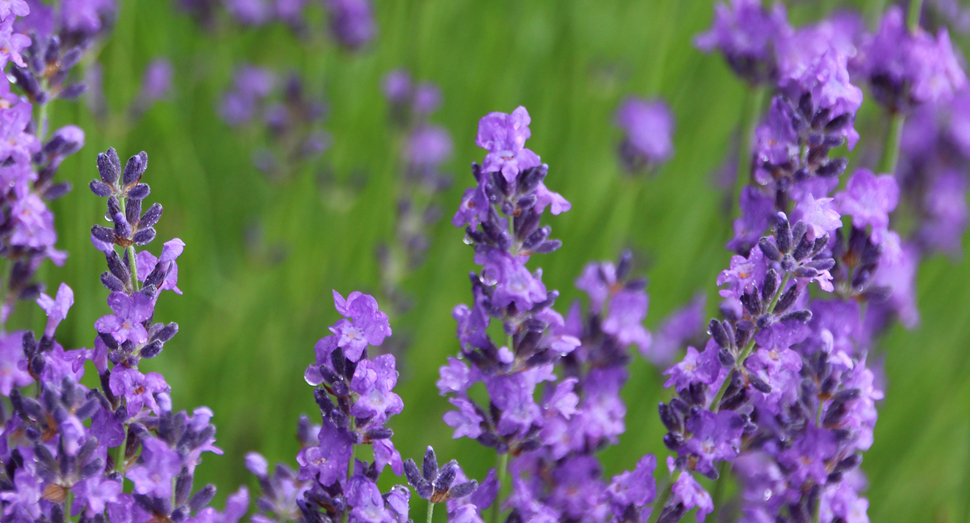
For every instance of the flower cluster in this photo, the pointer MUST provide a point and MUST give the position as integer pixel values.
(907, 68)
(648, 128)
(351, 21)
(782, 389)
(355, 394)
(69, 448)
(31, 159)
(53, 40)
(552, 432)
(290, 120)
(424, 147)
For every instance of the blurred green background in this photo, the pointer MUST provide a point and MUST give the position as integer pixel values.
(255, 302)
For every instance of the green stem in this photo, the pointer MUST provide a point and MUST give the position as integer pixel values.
(658, 505)
(134, 267)
(722, 472)
(751, 111)
(430, 510)
(503, 465)
(890, 152)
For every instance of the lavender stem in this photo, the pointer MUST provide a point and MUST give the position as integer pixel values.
(503, 464)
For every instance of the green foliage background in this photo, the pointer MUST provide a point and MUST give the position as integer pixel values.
(249, 317)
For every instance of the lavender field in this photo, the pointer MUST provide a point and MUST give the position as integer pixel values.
(623, 260)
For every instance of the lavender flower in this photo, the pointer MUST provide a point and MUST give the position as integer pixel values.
(648, 127)
(289, 119)
(425, 148)
(907, 69)
(745, 33)
(351, 22)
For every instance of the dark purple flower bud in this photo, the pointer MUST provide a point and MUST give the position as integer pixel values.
(769, 286)
(56, 191)
(743, 332)
(783, 235)
(758, 383)
(463, 489)
(134, 169)
(799, 316)
(787, 299)
(109, 166)
(726, 357)
(100, 189)
(832, 168)
(547, 247)
(751, 302)
(834, 415)
(103, 233)
(183, 487)
(113, 207)
(446, 476)
(151, 350)
(202, 498)
(151, 216)
(719, 334)
(670, 418)
(114, 282)
(72, 91)
(29, 343)
(378, 433)
(139, 191)
(673, 441)
(122, 227)
(429, 466)
(804, 249)
(132, 210)
(167, 332)
(144, 236)
(71, 58)
(769, 249)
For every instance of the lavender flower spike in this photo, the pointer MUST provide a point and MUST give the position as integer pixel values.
(503, 136)
(649, 127)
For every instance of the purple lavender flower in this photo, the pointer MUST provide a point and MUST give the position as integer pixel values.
(627, 311)
(374, 381)
(717, 436)
(12, 375)
(11, 44)
(126, 322)
(367, 325)
(745, 33)
(503, 136)
(160, 464)
(513, 282)
(157, 80)
(649, 127)
(56, 308)
(397, 87)
(689, 494)
(633, 488)
(907, 69)
(351, 22)
(869, 199)
(249, 12)
(250, 86)
(428, 146)
(327, 462)
(17, 7)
